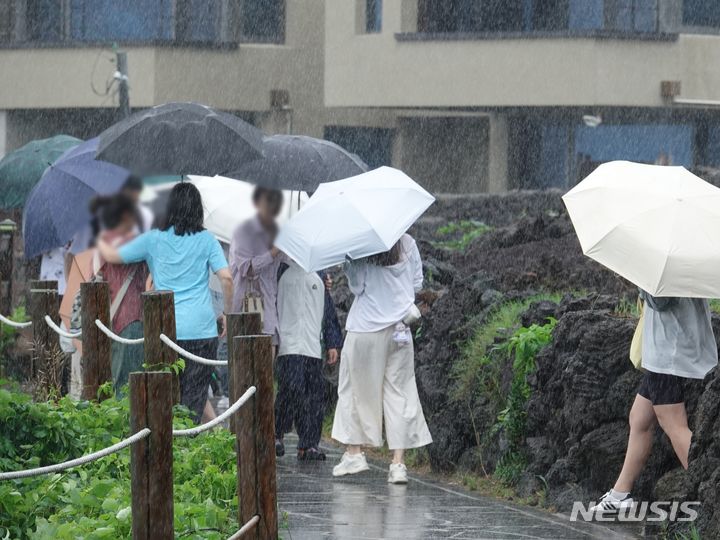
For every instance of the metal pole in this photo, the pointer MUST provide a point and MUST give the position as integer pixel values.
(123, 91)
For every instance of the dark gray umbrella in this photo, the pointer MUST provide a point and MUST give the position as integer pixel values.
(300, 163)
(180, 138)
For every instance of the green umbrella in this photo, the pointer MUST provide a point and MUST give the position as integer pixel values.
(21, 170)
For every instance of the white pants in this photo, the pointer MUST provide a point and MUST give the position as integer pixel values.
(377, 378)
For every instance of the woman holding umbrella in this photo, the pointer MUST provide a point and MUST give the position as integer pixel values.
(677, 344)
(377, 375)
(180, 256)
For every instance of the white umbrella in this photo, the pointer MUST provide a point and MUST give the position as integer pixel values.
(655, 226)
(356, 217)
(228, 202)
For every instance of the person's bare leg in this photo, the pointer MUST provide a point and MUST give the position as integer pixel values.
(353, 449)
(642, 429)
(399, 456)
(208, 413)
(673, 421)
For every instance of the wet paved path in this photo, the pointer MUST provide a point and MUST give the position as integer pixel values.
(313, 505)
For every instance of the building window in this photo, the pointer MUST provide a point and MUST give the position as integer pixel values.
(373, 16)
(481, 16)
(631, 15)
(121, 20)
(263, 21)
(701, 13)
(373, 145)
(197, 21)
(7, 18)
(44, 20)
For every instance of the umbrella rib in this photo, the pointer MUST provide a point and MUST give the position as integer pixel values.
(667, 259)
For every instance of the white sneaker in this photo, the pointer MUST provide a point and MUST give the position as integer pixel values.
(351, 464)
(611, 505)
(397, 474)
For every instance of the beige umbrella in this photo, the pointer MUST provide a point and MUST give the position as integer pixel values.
(658, 227)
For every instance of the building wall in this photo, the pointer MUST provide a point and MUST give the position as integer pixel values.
(506, 71)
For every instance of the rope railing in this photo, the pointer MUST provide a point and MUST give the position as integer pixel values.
(188, 355)
(192, 432)
(112, 335)
(14, 324)
(49, 469)
(249, 526)
(59, 331)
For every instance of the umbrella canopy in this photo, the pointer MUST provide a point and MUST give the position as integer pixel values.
(655, 226)
(300, 163)
(21, 170)
(227, 202)
(180, 138)
(58, 206)
(355, 217)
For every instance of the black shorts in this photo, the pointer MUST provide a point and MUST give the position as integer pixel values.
(661, 388)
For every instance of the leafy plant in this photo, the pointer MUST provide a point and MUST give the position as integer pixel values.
(524, 344)
(458, 235)
(510, 468)
(478, 371)
(93, 501)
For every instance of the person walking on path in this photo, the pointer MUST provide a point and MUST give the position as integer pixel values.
(181, 256)
(307, 321)
(377, 373)
(254, 261)
(117, 219)
(677, 344)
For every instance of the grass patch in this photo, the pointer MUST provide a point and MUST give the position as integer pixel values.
(477, 372)
(457, 235)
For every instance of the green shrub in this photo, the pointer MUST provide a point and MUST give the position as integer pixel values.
(524, 344)
(93, 501)
(510, 468)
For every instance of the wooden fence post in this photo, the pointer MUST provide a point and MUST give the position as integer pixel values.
(251, 364)
(96, 357)
(159, 318)
(239, 324)
(151, 459)
(43, 300)
(8, 229)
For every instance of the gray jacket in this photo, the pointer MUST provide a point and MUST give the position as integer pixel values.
(678, 337)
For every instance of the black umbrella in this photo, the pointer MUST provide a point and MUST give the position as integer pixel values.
(300, 163)
(180, 138)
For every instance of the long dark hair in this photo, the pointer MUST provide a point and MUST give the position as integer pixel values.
(184, 210)
(387, 258)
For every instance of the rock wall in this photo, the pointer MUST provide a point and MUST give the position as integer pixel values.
(584, 386)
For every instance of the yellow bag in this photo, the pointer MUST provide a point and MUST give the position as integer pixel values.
(636, 344)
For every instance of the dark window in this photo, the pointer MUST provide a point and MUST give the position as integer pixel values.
(701, 13)
(373, 16)
(197, 21)
(263, 21)
(6, 20)
(373, 145)
(127, 20)
(44, 20)
(631, 15)
(550, 15)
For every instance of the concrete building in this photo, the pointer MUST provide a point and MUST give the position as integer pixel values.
(464, 95)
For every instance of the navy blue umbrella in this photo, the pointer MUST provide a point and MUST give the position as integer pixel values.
(57, 207)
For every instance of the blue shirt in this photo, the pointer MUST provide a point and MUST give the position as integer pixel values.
(182, 264)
